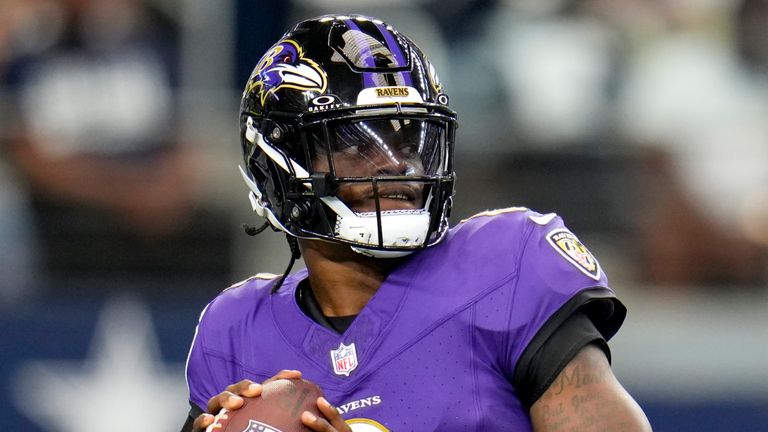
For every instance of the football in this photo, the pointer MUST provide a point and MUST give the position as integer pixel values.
(278, 409)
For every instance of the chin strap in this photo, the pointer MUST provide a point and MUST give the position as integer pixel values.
(252, 230)
(293, 244)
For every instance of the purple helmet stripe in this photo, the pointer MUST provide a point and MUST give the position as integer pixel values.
(394, 47)
(368, 80)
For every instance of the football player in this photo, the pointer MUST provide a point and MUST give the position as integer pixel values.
(498, 323)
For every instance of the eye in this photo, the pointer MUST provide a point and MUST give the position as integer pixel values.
(351, 150)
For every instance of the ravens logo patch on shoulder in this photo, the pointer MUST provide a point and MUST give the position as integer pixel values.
(569, 246)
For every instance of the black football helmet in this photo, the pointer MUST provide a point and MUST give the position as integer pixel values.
(347, 136)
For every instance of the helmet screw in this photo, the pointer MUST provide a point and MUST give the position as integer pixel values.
(276, 134)
(296, 213)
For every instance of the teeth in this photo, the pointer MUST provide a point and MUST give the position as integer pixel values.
(396, 196)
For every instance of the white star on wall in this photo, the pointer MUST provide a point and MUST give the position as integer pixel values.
(123, 385)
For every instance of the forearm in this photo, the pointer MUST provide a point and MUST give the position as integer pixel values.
(586, 397)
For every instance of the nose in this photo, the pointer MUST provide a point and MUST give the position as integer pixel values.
(392, 164)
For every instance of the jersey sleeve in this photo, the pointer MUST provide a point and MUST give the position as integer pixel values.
(201, 378)
(209, 368)
(213, 361)
(546, 356)
(558, 279)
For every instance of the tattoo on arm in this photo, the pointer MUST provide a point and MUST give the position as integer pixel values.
(586, 397)
(578, 377)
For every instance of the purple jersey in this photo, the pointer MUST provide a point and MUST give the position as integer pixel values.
(434, 349)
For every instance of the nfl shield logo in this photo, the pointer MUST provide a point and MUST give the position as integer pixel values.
(344, 359)
(254, 426)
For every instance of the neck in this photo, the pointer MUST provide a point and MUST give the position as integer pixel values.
(342, 280)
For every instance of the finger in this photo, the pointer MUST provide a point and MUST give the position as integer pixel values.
(285, 374)
(201, 422)
(332, 414)
(245, 388)
(317, 424)
(226, 400)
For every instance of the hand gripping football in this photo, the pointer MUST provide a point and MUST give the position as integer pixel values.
(278, 409)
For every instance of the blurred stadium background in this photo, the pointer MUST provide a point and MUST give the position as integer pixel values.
(643, 123)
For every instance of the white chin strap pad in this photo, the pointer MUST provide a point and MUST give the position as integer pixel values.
(400, 228)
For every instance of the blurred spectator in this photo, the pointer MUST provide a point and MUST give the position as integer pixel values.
(584, 78)
(752, 35)
(558, 63)
(16, 243)
(689, 98)
(94, 136)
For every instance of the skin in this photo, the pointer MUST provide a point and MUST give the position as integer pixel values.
(359, 196)
(343, 281)
(585, 397)
(232, 399)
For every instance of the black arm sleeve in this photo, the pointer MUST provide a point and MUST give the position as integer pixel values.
(193, 413)
(592, 316)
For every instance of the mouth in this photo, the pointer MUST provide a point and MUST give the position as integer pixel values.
(398, 197)
(391, 197)
(409, 196)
